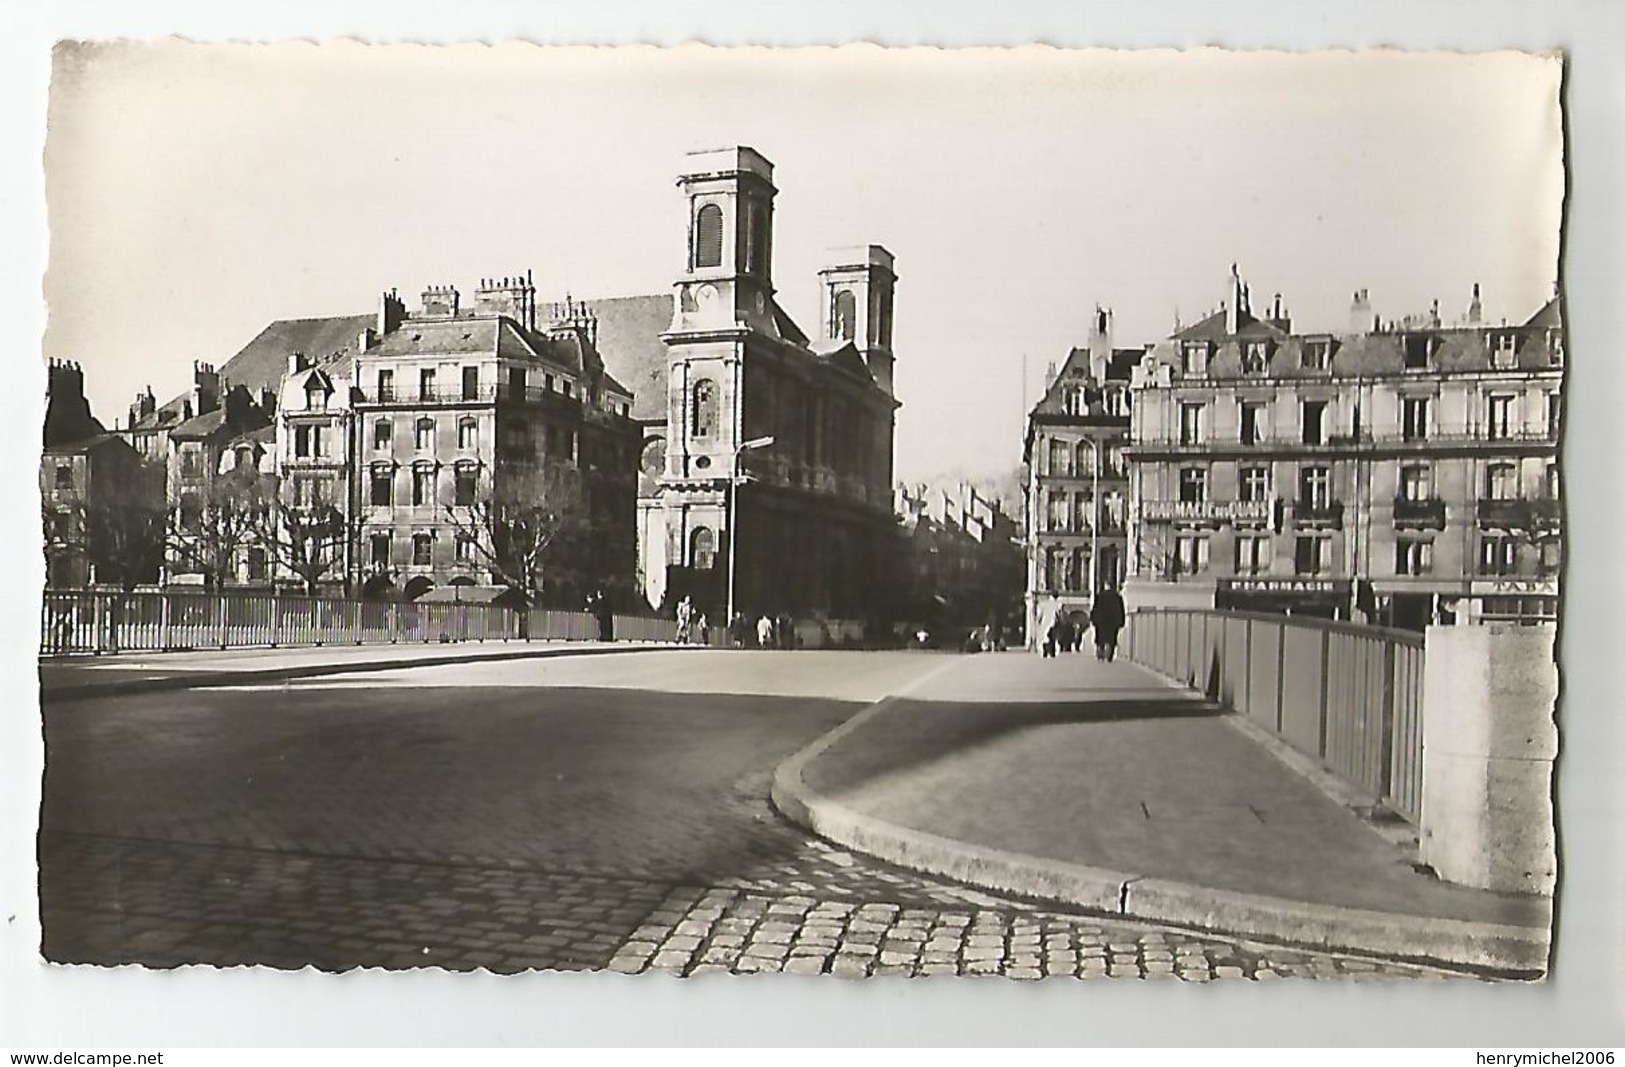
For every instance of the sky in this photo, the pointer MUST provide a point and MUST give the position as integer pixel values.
(197, 192)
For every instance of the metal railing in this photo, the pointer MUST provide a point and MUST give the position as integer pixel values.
(97, 621)
(1347, 695)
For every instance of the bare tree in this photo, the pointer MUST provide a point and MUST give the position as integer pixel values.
(208, 527)
(310, 540)
(124, 540)
(525, 526)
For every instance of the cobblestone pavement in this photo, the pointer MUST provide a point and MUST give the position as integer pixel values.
(514, 827)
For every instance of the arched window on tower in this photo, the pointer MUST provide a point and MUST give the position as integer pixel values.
(704, 416)
(702, 549)
(708, 236)
(846, 315)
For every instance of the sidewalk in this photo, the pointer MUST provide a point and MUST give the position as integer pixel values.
(1101, 786)
(81, 677)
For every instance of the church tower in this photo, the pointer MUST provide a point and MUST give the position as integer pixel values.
(857, 300)
(728, 278)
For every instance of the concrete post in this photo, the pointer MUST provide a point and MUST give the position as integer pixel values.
(1489, 737)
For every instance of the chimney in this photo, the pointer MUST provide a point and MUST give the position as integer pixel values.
(391, 312)
(366, 339)
(205, 388)
(268, 401)
(1100, 343)
(186, 410)
(1234, 306)
(1362, 320)
(297, 362)
(440, 301)
(1475, 310)
(514, 297)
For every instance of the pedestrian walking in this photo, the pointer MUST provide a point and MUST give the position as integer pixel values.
(685, 619)
(1108, 615)
(764, 632)
(702, 629)
(737, 629)
(784, 629)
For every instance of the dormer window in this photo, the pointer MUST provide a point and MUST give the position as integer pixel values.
(315, 396)
(1194, 357)
(1317, 355)
(1503, 350)
(1419, 352)
(1554, 345)
(1255, 357)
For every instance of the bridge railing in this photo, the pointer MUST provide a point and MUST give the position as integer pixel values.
(1350, 696)
(101, 621)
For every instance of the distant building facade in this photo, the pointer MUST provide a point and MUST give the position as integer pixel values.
(1077, 481)
(815, 533)
(1400, 473)
(963, 559)
(452, 407)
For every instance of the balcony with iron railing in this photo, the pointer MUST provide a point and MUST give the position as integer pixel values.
(1520, 513)
(455, 394)
(1471, 435)
(1420, 513)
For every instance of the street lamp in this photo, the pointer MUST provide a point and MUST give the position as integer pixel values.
(733, 525)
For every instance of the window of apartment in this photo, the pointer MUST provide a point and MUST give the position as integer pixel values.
(422, 549)
(1554, 345)
(1192, 485)
(258, 570)
(1085, 459)
(471, 383)
(1252, 418)
(315, 397)
(1413, 418)
(1497, 555)
(1191, 429)
(1060, 459)
(426, 383)
(1413, 556)
(425, 435)
(1194, 357)
(64, 476)
(1418, 349)
(1114, 462)
(569, 387)
(1190, 554)
(1554, 414)
(1415, 482)
(1503, 350)
(422, 486)
(380, 487)
(318, 442)
(383, 435)
(386, 385)
(1255, 484)
(1500, 417)
(517, 381)
(467, 485)
(1550, 563)
(1115, 506)
(1314, 422)
(1054, 564)
(302, 437)
(1077, 567)
(1083, 507)
(463, 547)
(1313, 554)
(1315, 487)
(704, 415)
(1501, 481)
(468, 433)
(1317, 355)
(380, 549)
(1255, 357)
(1057, 511)
(1254, 553)
(191, 463)
(549, 385)
(1552, 483)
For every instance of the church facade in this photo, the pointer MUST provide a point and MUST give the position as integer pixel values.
(784, 437)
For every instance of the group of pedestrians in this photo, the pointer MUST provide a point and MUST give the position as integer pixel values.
(1106, 616)
(691, 623)
(772, 631)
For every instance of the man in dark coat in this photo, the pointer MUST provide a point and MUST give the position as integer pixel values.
(1107, 614)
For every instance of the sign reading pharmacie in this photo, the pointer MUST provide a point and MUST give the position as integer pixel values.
(1206, 510)
(1288, 584)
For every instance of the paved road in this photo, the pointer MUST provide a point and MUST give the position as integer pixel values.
(572, 813)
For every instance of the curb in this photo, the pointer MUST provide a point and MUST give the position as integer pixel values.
(203, 680)
(1511, 951)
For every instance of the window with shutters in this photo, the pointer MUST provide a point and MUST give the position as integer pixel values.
(703, 417)
(1414, 418)
(1497, 555)
(1500, 417)
(1192, 429)
(1190, 554)
(1413, 556)
(1060, 459)
(1057, 512)
(708, 236)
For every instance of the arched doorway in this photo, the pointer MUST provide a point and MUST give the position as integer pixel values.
(416, 587)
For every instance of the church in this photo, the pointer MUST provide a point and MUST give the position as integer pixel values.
(756, 436)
